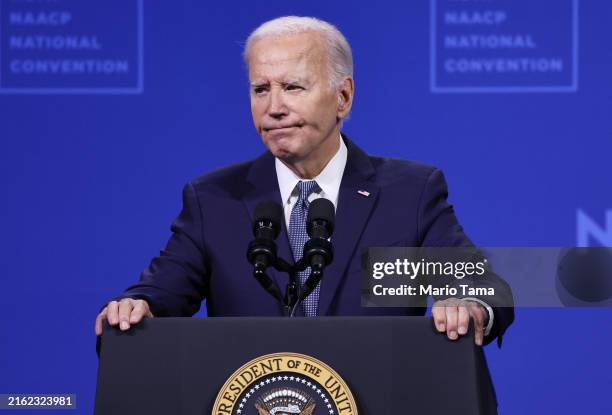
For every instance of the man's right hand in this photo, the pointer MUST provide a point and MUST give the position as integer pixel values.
(124, 313)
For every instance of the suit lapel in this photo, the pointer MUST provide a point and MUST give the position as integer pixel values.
(356, 201)
(263, 187)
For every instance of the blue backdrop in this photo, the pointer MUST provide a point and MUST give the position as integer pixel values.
(99, 136)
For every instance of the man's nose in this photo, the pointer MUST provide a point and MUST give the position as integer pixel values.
(277, 107)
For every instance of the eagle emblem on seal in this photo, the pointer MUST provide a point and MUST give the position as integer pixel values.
(285, 401)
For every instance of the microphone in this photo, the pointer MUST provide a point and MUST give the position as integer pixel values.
(321, 218)
(261, 252)
(318, 251)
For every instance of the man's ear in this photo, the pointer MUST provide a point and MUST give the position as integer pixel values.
(345, 96)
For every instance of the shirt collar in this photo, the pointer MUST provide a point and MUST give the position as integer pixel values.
(328, 180)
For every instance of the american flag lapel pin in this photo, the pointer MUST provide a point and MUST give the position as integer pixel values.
(363, 193)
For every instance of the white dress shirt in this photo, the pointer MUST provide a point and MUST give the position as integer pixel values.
(329, 187)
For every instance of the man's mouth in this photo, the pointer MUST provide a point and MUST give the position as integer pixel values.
(281, 127)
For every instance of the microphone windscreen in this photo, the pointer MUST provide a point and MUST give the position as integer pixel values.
(322, 210)
(268, 211)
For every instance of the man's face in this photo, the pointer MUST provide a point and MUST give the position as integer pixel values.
(294, 108)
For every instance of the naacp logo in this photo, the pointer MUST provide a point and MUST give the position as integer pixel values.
(285, 384)
(504, 46)
(71, 47)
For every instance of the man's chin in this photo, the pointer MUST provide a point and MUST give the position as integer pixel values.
(283, 150)
(285, 155)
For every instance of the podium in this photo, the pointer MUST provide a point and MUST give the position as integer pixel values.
(391, 365)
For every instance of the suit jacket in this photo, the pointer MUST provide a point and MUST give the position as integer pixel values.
(205, 257)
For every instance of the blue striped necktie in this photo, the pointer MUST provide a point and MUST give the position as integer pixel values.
(298, 237)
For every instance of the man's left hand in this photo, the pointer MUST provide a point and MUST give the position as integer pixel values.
(453, 317)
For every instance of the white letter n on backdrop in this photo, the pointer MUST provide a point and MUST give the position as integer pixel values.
(587, 228)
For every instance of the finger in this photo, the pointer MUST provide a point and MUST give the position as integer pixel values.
(478, 315)
(451, 322)
(139, 311)
(463, 320)
(439, 317)
(99, 319)
(479, 335)
(112, 314)
(125, 309)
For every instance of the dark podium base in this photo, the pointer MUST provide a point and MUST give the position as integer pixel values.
(393, 365)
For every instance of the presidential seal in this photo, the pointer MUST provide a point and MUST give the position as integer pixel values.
(285, 384)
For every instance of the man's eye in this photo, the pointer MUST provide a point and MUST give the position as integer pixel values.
(293, 87)
(259, 90)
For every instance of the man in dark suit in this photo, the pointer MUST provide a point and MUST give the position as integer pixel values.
(302, 88)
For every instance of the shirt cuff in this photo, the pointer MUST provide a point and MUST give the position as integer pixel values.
(489, 326)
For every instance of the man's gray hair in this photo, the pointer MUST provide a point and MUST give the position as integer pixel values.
(340, 57)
